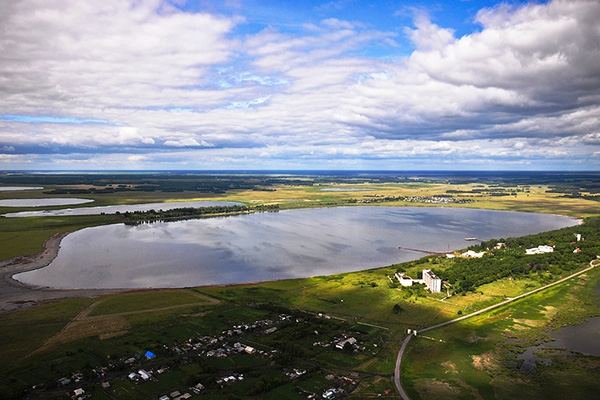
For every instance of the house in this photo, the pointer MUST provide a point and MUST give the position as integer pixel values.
(340, 345)
(250, 350)
(79, 392)
(473, 254)
(404, 279)
(577, 250)
(198, 388)
(540, 250)
(144, 375)
(64, 381)
(150, 355)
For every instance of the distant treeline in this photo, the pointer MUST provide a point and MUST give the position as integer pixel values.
(192, 212)
(208, 182)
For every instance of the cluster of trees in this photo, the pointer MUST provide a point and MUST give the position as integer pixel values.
(192, 212)
(182, 213)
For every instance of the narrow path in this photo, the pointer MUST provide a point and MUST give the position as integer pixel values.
(84, 316)
(483, 310)
(374, 326)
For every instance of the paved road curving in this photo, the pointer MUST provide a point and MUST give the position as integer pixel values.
(397, 370)
(483, 310)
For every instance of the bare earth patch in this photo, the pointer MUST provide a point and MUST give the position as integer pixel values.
(434, 389)
(450, 367)
(530, 322)
(485, 361)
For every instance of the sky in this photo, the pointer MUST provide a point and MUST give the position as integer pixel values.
(299, 85)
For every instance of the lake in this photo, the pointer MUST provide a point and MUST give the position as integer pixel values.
(267, 246)
(17, 188)
(45, 202)
(120, 208)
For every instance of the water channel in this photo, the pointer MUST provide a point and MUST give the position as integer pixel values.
(18, 188)
(44, 202)
(267, 246)
(119, 208)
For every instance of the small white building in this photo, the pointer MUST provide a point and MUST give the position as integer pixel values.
(404, 279)
(145, 375)
(342, 343)
(540, 250)
(473, 254)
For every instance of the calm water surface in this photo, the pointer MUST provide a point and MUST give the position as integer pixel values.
(120, 208)
(583, 338)
(16, 188)
(265, 246)
(46, 202)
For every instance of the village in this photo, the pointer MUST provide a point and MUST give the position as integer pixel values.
(379, 198)
(148, 367)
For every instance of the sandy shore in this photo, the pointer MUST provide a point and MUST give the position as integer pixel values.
(15, 295)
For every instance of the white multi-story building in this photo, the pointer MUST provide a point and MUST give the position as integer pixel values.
(433, 283)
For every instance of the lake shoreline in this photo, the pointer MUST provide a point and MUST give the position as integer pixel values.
(16, 295)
